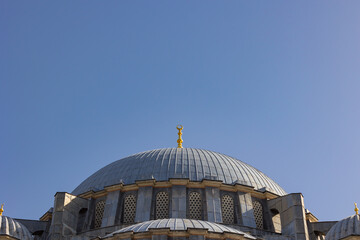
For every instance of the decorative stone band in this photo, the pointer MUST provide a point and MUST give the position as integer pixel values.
(262, 194)
(178, 227)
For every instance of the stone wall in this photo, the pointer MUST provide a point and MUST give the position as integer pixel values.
(292, 215)
(65, 215)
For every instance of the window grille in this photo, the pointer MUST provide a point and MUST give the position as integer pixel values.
(129, 208)
(99, 212)
(195, 206)
(258, 214)
(227, 207)
(162, 205)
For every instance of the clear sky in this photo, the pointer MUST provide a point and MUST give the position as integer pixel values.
(272, 83)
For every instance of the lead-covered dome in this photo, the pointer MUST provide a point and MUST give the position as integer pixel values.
(11, 227)
(180, 224)
(190, 163)
(347, 227)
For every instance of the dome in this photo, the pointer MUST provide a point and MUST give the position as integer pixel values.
(189, 163)
(179, 224)
(347, 227)
(13, 228)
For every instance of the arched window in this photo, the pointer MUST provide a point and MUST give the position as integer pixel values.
(258, 214)
(162, 205)
(195, 206)
(99, 212)
(81, 219)
(227, 209)
(276, 220)
(129, 208)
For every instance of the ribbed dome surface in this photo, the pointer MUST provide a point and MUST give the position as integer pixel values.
(13, 228)
(344, 228)
(163, 164)
(180, 224)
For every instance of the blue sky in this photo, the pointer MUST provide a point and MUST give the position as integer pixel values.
(272, 83)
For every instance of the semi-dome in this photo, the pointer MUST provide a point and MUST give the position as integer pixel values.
(11, 227)
(347, 227)
(180, 224)
(190, 163)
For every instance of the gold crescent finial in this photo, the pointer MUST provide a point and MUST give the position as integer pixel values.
(179, 141)
(356, 209)
(1, 209)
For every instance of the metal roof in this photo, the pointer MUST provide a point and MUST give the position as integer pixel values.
(190, 163)
(13, 228)
(179, 224)
(347, 227)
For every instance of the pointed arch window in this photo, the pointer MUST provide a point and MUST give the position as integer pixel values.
(276, 220)
(81, 219)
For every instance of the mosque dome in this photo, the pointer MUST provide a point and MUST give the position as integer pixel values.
(180, 224)
(187, 163)
(347, 227)
(11, 227)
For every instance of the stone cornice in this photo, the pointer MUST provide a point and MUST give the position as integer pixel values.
(180, 182)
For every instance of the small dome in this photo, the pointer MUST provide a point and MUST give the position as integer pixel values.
(13, 228)
(180, 224)
(347, 227)
(189, 163)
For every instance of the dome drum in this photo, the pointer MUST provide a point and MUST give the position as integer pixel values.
(179, 198)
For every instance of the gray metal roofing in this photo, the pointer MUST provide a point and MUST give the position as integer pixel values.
(190, 163)
(13, 228)
(347, 227)
(179, 224)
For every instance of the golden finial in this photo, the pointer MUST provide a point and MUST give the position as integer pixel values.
(1, 209)
(356, 209)
(179, 141)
